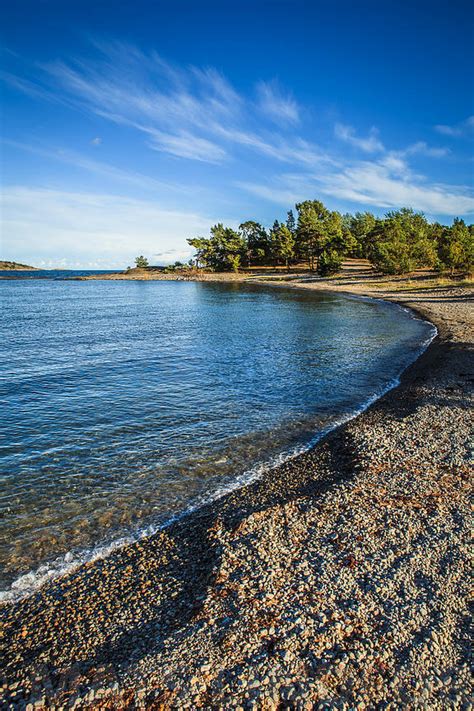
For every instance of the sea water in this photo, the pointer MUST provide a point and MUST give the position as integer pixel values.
(126, 403)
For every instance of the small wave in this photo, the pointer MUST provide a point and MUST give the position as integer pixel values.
(27, 584)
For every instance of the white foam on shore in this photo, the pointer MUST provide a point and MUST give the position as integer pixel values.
(27, 584)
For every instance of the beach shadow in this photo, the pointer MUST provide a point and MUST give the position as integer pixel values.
(438, 299)
(450, 391)
(200, 553)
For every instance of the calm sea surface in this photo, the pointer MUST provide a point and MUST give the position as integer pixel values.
(125, 403)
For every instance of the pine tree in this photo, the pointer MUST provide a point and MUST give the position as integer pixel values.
(141, 262)
(283, 243)
(257, 242)
(291, 222)
(310, 230)
(456, 248)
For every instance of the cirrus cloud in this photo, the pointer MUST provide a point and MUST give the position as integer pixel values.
(273, 102)
(369, 144)
(459, 129)
(196, 114)
(385, 184)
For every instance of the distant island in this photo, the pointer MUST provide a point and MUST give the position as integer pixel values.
(16, 266)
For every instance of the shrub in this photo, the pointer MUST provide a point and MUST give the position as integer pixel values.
(329, 262)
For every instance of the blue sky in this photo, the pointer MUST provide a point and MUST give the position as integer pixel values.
(128, 127)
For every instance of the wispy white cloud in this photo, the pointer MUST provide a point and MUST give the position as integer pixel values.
(196, 114)
(278, 192)
(422, 148)
(387, 183)
(33, 89)
(379, 185)
(143, 91)
(97, 141)
(277, 105)
(221, 95)
(102, 169)
(373, 144)
(369, 144)
(296, 151)
(66, 228)
(171, 255)
(186, 145)
(459, 129)
(191, 113)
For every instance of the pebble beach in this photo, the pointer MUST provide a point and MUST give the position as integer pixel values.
(338, 580)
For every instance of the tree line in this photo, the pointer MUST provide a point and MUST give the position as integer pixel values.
(401, 241)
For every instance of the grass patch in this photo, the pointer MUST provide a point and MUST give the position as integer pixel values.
(440, 283)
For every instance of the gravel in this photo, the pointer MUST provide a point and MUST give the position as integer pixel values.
(339, 580)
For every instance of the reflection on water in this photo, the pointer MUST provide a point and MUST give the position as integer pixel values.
(125, 402)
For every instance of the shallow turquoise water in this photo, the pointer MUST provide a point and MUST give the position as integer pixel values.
(124, 403)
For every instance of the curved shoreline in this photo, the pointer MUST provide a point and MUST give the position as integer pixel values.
(31, 582)
(148, 614)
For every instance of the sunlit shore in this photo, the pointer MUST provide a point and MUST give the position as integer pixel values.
(338, 578)
(355, 275)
